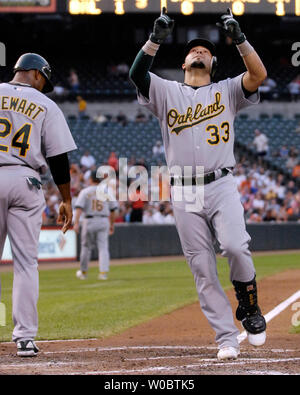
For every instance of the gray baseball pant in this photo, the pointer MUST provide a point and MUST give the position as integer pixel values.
(221, 218)
(95, 233)
(21, 207)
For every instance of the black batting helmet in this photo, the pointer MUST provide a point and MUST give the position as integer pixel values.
(33, 61)
(203, 42)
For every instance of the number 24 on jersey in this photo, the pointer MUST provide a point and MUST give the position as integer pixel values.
(20, 139)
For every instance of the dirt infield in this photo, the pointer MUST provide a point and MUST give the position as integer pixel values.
(179, 343)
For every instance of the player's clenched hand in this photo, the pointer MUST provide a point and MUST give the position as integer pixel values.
(65, 215)
(163, 26)
(231, 27)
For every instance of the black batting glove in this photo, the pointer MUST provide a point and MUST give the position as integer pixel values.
(163, 26)
(231, 28)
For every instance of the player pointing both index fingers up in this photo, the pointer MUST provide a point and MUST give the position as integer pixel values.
(196, 119)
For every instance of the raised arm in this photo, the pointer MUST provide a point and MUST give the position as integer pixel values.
(139, 71)
(256, 72)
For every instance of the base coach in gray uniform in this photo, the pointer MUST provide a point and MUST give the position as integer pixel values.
(97, 226)
(196, 119)
(33, 135)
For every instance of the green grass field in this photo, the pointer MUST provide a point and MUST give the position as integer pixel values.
(70, 308)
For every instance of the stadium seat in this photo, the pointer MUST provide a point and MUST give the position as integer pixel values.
(264, 116)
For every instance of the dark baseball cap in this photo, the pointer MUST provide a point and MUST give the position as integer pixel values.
(94, 177)
(200, 42)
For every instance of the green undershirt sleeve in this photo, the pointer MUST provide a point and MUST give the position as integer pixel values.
(139, 72)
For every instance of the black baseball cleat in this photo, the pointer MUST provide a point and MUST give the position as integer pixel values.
(27, 348)
(249, 313)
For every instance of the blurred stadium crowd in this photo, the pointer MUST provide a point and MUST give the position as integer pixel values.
(267, 196)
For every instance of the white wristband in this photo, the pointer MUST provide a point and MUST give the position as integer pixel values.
(245, 48)
(150, 48)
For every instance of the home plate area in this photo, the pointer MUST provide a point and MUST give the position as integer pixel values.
(86, 359)
(178, 343)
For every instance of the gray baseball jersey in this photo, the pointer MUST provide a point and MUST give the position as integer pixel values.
(32, 127)
(197, 124)
(88, 202)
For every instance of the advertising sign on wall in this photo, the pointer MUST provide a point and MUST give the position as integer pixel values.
(53, 246)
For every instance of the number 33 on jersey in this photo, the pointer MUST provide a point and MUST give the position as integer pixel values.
(197, 123)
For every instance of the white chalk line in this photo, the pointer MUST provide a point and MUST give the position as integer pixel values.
(211, 362)
(206, 362)
(128, 348)
(40, 364)
(58, 341)
(268, 372)
(164, 357)
(185, 356)
(274, 312)
(240, 360)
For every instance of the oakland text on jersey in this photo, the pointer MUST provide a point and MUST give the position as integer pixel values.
(199, 115)
(16, 104)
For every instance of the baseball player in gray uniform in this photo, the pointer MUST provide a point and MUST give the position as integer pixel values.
(33, 135)
(97, 226)
(196, 119)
